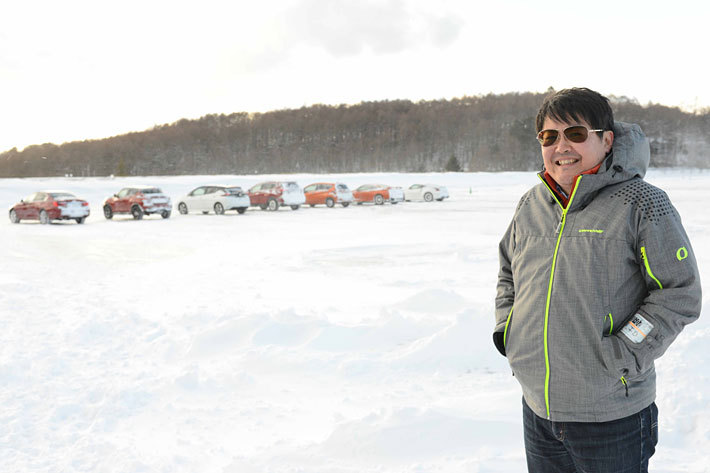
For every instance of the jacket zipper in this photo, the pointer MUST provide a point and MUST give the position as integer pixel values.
(611, 319)
(505, 332)
(559, 230)
(644, 257)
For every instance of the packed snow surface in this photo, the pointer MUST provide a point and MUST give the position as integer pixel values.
(343, 340)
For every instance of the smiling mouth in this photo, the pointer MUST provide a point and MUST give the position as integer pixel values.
(565, 162)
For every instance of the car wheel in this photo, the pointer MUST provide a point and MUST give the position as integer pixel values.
(428, 197)
(440, 200)
(108, 212)
(80, 220)
(295, 207)
(345, 204)
(218, 208)
(312, 205)
(330, 203)
(272, 204)
(359, 203)
(137, 212)
(379, 200)
(182, 208)
(13, 216)
(241, 210)
(165, 214)
(262, 206)
(43, 217)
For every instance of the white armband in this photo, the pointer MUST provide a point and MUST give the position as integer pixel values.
(637, 328)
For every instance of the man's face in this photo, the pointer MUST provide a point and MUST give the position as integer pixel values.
(565, 160)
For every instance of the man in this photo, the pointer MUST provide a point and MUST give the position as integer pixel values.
(597, 278)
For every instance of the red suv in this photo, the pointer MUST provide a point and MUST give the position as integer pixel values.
(50, 205)
(272, 194)
(138, 201)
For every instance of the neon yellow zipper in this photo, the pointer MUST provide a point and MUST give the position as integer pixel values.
(505, 332)
(560, 229)
(644, 257)
(611, 329)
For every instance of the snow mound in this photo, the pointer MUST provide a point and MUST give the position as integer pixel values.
(415, 435)
(225, 337)
(434, 301)
(369, 337)
(463, 345)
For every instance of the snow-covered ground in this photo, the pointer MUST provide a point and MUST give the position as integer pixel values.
(344, 340)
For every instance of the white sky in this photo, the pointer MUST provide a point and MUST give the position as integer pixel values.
(81, 69)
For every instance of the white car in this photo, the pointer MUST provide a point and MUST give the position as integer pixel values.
(426, 192)
(215, 198)
(396, 195)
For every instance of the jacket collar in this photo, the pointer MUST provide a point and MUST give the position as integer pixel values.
(559, 191)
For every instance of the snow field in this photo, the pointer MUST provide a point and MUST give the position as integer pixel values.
(320, 340)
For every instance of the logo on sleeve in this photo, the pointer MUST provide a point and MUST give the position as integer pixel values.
(637, 328)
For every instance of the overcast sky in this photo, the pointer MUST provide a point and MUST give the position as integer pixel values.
(73, 70)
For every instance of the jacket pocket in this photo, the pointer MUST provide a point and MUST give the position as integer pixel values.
(608, 325)
(647, 267)
(506, 331)
(623, 360)
(619, 361)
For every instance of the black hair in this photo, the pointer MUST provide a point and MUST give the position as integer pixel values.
(575, 105)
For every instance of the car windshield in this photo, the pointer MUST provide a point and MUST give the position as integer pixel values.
(233, 190)
(152, 190)
(61, 195)
(342, 187)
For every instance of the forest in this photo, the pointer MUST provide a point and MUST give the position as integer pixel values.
(476, 133)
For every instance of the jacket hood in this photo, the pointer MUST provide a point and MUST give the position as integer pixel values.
(630, 151)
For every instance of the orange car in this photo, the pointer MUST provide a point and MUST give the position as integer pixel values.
(328, 193)
(378, 193)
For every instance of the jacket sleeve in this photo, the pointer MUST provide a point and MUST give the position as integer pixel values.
(505, 290)
(667, 263)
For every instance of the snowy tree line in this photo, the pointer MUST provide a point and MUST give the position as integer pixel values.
(480, 133)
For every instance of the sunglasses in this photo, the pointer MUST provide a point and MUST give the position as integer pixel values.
(575, 134)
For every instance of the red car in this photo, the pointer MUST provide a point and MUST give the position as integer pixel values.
(273, 194)
(378, 193)
(138, 201)
(46, 206)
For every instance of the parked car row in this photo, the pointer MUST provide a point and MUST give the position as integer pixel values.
(138, 201)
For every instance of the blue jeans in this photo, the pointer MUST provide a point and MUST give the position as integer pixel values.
(619, 446)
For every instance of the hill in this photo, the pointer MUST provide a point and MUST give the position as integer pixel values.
(481, 133)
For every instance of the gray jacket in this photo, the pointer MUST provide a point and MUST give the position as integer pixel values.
(589, 296)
